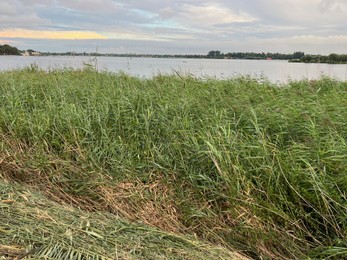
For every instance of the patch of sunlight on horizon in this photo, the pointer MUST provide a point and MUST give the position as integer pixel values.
(59, 35)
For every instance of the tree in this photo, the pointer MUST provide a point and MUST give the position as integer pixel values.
(215, 54)
(334, 58)
(307, 58)
(8, 50)
(298, 55)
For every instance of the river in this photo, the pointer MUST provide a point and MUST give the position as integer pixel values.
(273, 70)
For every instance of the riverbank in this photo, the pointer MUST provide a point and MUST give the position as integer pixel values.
(237, 164)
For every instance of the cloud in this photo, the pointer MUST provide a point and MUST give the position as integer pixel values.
(2, 42)
(7, 9)
(22, 21)
(90, 5)
(212, 14)
(40, 34)
(19, 15)
(180, 25)
(167, 12)
(332, 6)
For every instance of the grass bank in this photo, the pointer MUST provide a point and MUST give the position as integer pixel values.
(236, 163)
(33, 226)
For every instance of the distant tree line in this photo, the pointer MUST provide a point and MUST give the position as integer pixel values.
(214, 54)
(8, 50)
(210, 55)
(126, 55)
(332, 59)
(254, 55)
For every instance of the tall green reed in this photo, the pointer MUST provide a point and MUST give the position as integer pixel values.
(253, 163)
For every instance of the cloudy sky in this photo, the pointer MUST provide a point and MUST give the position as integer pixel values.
(175, 26)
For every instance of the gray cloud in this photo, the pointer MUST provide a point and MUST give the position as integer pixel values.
(186, 26)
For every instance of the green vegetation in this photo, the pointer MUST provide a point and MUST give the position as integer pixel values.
(210, 55)
(238, 164)
(8, 50)
(331, 59)
(254, 55)
(214, 54)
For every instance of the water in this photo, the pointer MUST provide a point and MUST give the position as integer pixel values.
(275, 71)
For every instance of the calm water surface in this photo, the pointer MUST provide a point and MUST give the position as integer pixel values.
(275, 71)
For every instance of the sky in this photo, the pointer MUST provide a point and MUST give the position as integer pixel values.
(175, 26)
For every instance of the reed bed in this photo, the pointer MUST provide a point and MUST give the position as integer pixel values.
(243, 164)
(33, 227)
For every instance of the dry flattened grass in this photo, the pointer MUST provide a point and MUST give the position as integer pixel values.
(152, 203)
(11, 251)
(34, 227)
(16, 166)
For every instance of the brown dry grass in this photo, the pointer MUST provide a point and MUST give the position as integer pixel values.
(151, 203)
(11, 252)
(48, 230)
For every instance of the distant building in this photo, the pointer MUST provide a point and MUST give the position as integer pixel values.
(268, 58)
(32, 53)
(35, 53)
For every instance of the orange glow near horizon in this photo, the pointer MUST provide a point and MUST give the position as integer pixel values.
(5, 42)
(58, 35)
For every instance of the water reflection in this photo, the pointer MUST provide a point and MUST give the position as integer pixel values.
(275, 71)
